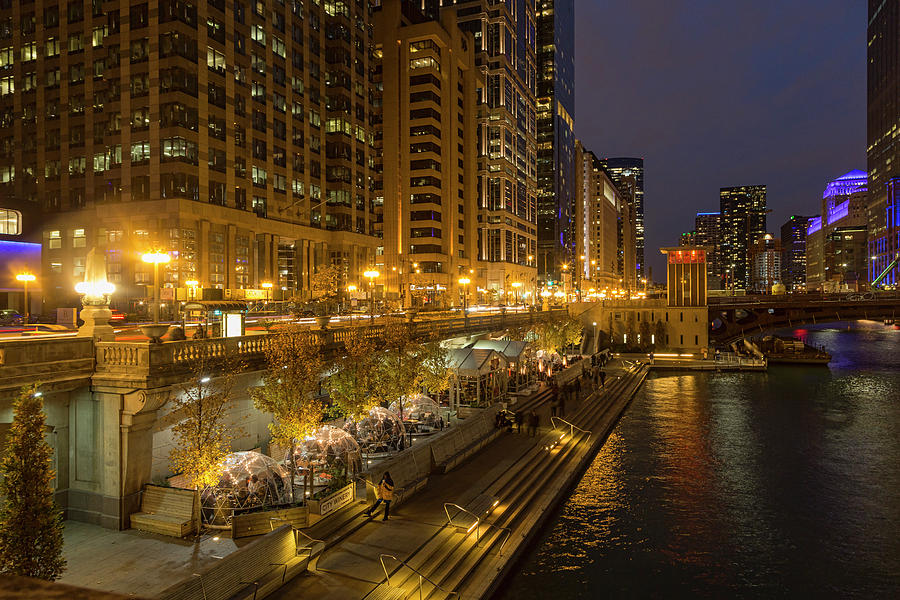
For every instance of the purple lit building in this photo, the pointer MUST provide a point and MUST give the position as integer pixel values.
(835, 241)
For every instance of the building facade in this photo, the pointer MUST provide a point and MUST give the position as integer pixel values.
(235, 136)
(765, 258)
(793, 253)
(742, 221)
(628, 175)
(883, 144)
(707, 228)
(844, 204)
(555, 136)
(505, 38)
(427, 89)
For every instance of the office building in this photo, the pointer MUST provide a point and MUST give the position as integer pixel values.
(628, 175)
(742, 221)
(234, 136)
(793, 253)
(765, 258)
(844, 203)
(555, 136)
(707, 228)
(426, 189)
(883, 145)
(505, 39)
(687, 238)
(599, 207)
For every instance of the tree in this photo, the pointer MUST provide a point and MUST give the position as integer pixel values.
(398, 367)
(645, 333)
(660, 334)
(31, 525)
(434, 367)
(327, 283)
(353, 385)
(290, 384)
(554, 336)
(202, 436)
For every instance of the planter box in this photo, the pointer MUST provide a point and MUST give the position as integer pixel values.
(258, 523)
(333, 502)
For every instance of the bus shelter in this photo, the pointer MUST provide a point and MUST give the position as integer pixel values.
(215, 318)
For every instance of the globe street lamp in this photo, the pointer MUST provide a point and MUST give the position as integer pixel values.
(371, 275)
(465, 281)
(156, 258)
(25, 278)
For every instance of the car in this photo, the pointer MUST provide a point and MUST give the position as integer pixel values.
(9, 316)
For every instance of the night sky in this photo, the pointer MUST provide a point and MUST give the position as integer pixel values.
(721, 93)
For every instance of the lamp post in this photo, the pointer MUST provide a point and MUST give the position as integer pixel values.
(516, 285)
(465, 281)
(267, 285)
(192, 286)
(156, 258)
(25, 278)
(371, 274)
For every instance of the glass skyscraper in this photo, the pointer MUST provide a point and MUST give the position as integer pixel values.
(628, 175)
(743, 222)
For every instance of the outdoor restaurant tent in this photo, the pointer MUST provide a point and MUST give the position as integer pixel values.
(520, 373)
(479, 376)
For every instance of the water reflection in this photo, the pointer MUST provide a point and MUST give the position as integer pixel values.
(760, 485)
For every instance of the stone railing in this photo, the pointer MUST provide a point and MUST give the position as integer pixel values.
(54, 363)
(141, 359)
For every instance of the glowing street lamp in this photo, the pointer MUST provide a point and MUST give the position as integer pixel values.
(516, 285)
(192, 286)
(465, 281)
(371, 275)
(25, 278)
(156, 258)
(267, 285)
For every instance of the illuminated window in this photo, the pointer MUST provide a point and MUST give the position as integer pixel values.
(55, 240)
(79, 239)
(10, 222)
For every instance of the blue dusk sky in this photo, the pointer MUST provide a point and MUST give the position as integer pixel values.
(722, 93)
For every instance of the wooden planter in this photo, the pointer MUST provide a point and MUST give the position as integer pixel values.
(333, 502)
(258, 523)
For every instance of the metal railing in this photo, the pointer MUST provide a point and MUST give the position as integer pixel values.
(296, 531)
(503, 530)
(387, 577)
(476, 525)
(572, 427)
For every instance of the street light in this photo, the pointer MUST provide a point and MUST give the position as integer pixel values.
(371, 274)
(465, 281)
(267, 285)
(156, 258)
(516, 285)
(25, 278)
(192, 286)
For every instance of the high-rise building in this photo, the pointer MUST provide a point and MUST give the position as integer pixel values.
(427, 89)
(687, 238)
(235, 136)
(765, 258)
(628, 175)
(599, 208)
(505, 36)
(555, 135)
(706, 226)
(843, 205)
(883, 122)
(793, 253)
(742, 222)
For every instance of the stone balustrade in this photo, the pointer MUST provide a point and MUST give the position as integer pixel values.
(54, 363)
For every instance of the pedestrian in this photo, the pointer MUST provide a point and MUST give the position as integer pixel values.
(533, 421)
(519, 419)
(602, 378)
(385, 494)
(441, 422)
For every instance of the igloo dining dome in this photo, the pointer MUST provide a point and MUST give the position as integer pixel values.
(379, 431)
(247, 480)
(418, 409)
(329, 451)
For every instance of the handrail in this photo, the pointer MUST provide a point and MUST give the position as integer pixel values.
(572, 427)
(296, 530)
(502, 529)
(387, 577)
(450, 519)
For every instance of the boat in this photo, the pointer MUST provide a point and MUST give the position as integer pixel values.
(791, 350)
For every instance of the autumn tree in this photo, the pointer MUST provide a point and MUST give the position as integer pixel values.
(202, 432)
(353, 385)
(294, 365)
(31, 524)
(434, 367)
(399, 365)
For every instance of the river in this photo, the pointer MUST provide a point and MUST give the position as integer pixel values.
(760, 485)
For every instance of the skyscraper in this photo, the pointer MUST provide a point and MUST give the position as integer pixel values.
(743, 222)
(765, 260)
(628, 175)
(234, 136)
(793, 253)
(706, 228)
(555, 136)
(883, 121)
(505, 38)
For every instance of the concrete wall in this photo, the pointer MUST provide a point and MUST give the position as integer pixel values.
(686, 328)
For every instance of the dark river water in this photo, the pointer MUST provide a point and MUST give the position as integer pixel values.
(761, 485)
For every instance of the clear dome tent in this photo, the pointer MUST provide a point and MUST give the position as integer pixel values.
(326, 456)
(418, 410)
(379, 432)
(248, 480)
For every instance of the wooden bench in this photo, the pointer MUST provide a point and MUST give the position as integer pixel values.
(169, 511)
(252, 572)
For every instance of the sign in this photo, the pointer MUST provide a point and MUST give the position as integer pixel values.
(251, 294)
(337, 500)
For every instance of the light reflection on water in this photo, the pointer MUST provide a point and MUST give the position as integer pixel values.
(775, 484)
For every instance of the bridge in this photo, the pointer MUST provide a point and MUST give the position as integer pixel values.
(732, 317)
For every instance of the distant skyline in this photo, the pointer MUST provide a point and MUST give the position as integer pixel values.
(715, 94)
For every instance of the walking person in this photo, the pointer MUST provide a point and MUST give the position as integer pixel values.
(385, 494)
(519, 419)
(533, 421)
(602, 378)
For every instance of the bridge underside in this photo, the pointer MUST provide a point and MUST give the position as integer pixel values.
(727, 323)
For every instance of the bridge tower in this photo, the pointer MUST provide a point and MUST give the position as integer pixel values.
(686, 275)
